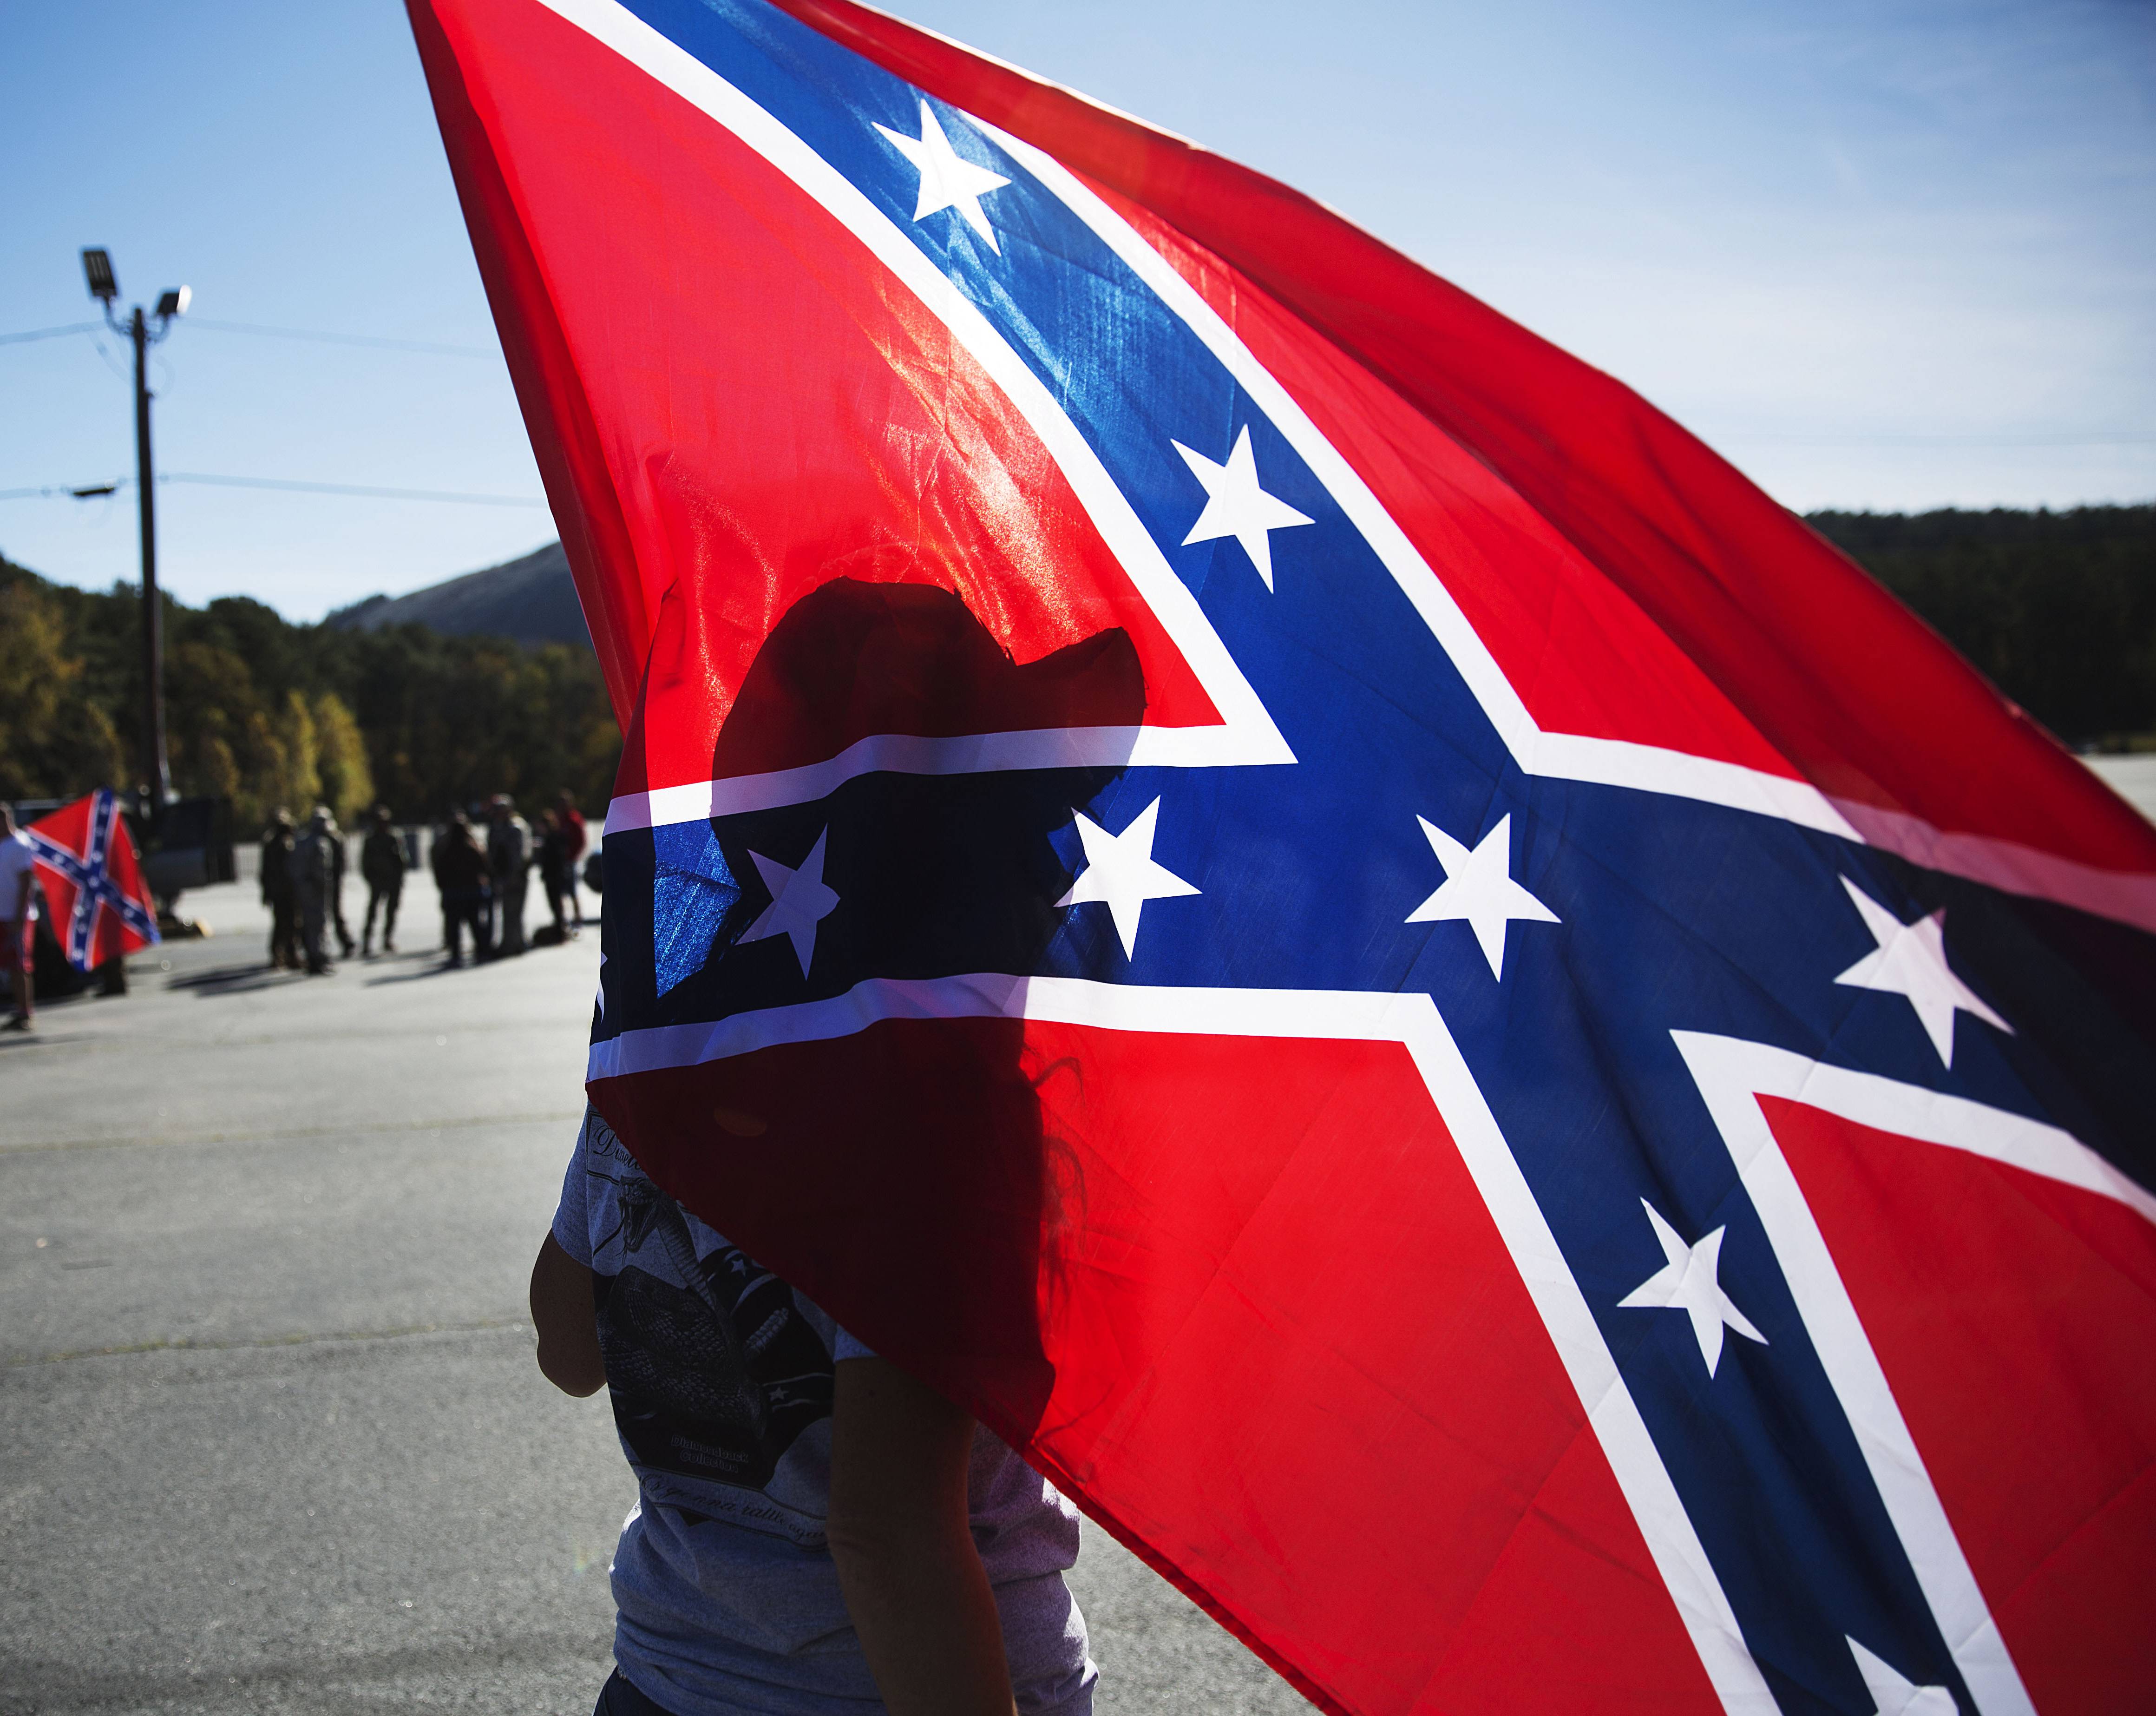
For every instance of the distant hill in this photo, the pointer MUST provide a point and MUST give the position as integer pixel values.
(266, 712)
(532, 600)
(2058, 608)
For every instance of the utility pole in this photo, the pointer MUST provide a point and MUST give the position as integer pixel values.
(97, 269)
(156, 770)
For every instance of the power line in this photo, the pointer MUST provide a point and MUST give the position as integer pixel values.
(362, 490)
(52, 333)
(87, 491)
(321, 337)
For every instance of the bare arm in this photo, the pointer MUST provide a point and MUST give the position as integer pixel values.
(562, 1314)
(899, 1532)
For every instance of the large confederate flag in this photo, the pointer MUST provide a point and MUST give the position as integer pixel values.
(1480, 1046)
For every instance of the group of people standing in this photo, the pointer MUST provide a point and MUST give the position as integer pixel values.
(303, 886)
(481, 876)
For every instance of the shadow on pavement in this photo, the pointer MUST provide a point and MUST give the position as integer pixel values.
(233, 979)
(39, 1038)
(438, 966)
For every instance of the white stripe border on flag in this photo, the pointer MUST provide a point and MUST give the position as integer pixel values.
(1732, 1076)
(1247, 734)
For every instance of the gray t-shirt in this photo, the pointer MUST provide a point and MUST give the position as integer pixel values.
(721, 1376)
(18, 875)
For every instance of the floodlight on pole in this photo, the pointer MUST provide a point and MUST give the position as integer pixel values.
(97, 269)
(174, 302)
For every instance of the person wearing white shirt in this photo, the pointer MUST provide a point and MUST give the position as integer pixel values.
(18, 914)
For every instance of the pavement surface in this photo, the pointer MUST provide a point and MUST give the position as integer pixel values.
(271, 1438)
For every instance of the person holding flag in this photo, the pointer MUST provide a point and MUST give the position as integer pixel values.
(1297, 901)
(86, 863)
(815, 1530)
(18, 919)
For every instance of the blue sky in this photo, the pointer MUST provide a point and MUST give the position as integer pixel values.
(1891, 255)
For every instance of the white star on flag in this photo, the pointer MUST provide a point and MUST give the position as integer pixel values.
(601, 997)
(1686, 1282)
(1479, 888)
(1892, 1695)
(1121, 874)
(948, 179)
(799, 901)
(1910, 962)
(1236, 506)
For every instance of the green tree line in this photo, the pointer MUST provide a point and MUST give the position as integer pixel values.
(2057, 608)
(269, 713)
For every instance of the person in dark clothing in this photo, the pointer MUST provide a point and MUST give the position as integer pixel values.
(317, 868)
(334, 908)
(460, 872)
(381, 863)
(278, 892)
(556, 871)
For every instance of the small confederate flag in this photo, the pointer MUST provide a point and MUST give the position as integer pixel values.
(93, 880)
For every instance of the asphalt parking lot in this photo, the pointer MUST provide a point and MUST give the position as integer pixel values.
(271, 1439)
